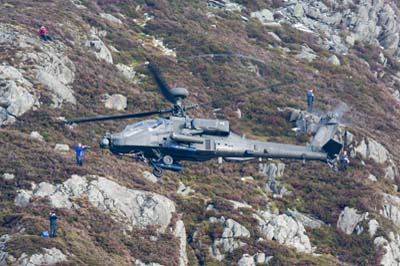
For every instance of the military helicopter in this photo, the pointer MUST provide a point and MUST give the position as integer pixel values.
(165, 142)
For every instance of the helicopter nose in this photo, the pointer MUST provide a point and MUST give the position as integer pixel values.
(105, 143)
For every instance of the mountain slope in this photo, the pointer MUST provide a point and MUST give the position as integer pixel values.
(113, 212)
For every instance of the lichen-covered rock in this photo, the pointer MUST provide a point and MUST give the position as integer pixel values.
(16, 94)
(97, 47)
(264, 16)
(392, 248)
(334, 60)
(134, 208)
(140, 263)
(228, 241)
(127, 71)
(48, 257)
(110, 18)
(116, 102)
(307, 54)
(165, 50)
(61, 147)
(391, 208)
(306, 220)
(373, 226)
(371, 149)
(183, 189)
(8, 176)
(246, 260)
(284, 229)
(3, 255)
(372, 22)
(23, 198)
(180, 233)
(45, 63)
(36, 135)
(349, 219)
(239, 205)
(150, 177)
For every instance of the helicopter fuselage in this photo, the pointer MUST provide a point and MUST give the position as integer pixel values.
(187, 139)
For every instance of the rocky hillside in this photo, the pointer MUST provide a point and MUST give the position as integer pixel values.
(113, 211)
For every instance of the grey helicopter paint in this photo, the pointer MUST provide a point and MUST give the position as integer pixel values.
(165, 142)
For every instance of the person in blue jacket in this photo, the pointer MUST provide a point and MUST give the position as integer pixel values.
(53, 223)
(310, 100)
(80, 153)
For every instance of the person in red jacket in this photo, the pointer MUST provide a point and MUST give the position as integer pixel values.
(43, 34)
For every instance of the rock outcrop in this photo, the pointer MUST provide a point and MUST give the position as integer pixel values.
(349, 219)
(60, 147)
(3, 254)
(97, 46)
(373, 226)
(265, 16)
(370, 149)
(116, 102)
(23, 198)
(134, 208)
(228, 241)
(306, 220)
(307, 54)
(8, 176)
(183, 189)
(372, 22)
(246, 260)
(36, 135)
(48, 257)
(392, 248)
(16, 95)
(127, 71)
(180, 233)
(42, 63)
(284, 229)
(257, 259)
(391, 208)
(110, 18)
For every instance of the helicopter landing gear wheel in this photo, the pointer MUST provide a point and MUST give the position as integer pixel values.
(157, 172)
(167, 159)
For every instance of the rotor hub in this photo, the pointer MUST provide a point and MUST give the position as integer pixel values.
(179, 93)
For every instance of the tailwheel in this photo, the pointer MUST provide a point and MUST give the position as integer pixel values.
(167, 159)
(157, 172)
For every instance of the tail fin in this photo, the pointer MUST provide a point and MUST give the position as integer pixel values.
(324, 139)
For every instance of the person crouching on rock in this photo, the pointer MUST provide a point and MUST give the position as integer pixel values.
(44, 35)
(80, 153)
(53, 223)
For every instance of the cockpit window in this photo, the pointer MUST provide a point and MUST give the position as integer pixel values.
(157, 124)
(147, 124)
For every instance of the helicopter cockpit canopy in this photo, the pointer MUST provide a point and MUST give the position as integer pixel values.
(146, 125)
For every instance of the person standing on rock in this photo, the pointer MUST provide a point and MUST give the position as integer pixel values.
(44, 35)
(80, 153)
(310, 100)
(53, 223)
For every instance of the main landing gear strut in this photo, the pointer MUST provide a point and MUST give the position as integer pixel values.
(159, 163)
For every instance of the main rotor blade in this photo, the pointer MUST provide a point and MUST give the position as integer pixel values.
(277, 85)
(115, 117)
(252, 58)
(161, 83)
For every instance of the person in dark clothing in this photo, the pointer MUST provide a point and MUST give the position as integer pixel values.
(80, 153)
(310, 100)
(343, 161)
(53, 223)
(44, 35)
